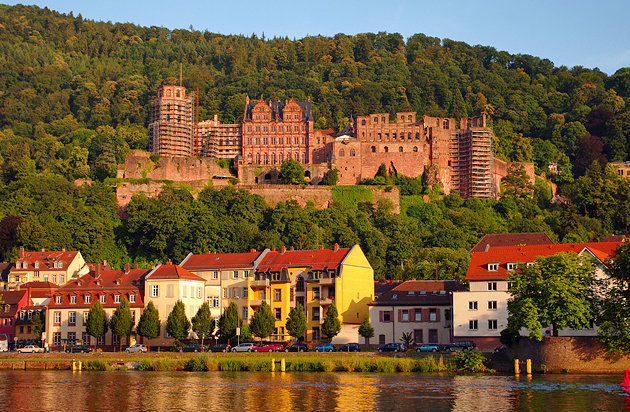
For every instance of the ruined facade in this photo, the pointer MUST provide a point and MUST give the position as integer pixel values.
(219, 140)
(171, 128)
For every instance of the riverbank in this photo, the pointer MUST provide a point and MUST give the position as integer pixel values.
(294, 362)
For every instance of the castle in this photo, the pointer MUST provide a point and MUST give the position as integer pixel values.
(457, 156)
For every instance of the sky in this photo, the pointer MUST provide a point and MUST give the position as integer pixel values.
(569, 33)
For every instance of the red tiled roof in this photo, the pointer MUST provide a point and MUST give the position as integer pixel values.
(46, 260)
(317, 259)
(220, 260)
(420, 292)
(40, 289)
(13, 298)
(171, 271)
(511, 239)
(382, 285)
(478, 267)
(328, 131)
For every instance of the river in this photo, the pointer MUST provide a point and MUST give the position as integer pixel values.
(257, 391)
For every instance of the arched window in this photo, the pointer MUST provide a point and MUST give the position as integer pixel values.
(266, 158)
(268, 176)
(352, 153)
(273, 158)
(400, 149)
(299, 284)
(258, 158)
(281, 157)
(445, 124)
(415, 149)
(342, 153)
(386, 149)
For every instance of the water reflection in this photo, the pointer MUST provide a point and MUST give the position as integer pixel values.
(168, 391)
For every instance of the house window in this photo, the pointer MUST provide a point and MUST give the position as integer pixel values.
(315, 332)
(418, 315)
(511, 266)
(246, 272)
(36, 274)
(85, 338)
(381, 339)
(72, 318)
(117, 299)
(132, 298)
(278, 312)
(472, 324)
(235, 274)
(155, 291)
(54, 278)
(170, 291)
(100, 340)
(277, 295)
(85, 317)
(184, 294)
(215, 275)
(447, 314)
(73, 300)
(405, 315)
(433, 335)
(387, 316)
(315, 313)
(199, 292)
(103, 298)
(215, 300)
(57, 318)
(492, 285)
(88, 299)
(224, 293)
(417, 336)
(115, 340)
(58, 300)
(57, 338)
(62, 278)
(433, 315)
(492, 305)
(299, 285)
(315, 293)
(493, 267)
(472, 305)
(492, 324)
(46, 277)
(245, 312)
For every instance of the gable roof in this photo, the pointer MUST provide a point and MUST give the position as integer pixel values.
(220, 260)
(478, 267)
(46, 260)
(420, 292)
(276, 110)
(171, 271)
(12, 298)
(317, 259)
(511, 239)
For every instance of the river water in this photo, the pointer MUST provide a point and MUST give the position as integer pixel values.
(258, 391)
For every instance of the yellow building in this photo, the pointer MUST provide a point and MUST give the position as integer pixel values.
(58, 267)
(164, 286)
(315, 279)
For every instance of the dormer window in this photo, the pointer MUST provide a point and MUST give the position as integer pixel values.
(132, 298)
(60, 265)
(117, 299)
(530, 263)
(511, 266)
(7, 308)
(493, 267)
(37, 264)
(88, 299)
(73, 300)
(103, 298)
(58, 300)
(18, 265)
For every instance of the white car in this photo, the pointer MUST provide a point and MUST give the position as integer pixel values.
(243, 347)
(136, 348)
(30, 349)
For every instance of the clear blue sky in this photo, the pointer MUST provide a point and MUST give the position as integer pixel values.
(571, 33)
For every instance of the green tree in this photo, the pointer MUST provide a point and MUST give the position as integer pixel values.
(228, 322)
(96, 323)
(177, 324)
(366, 330)
(149, 324)
(407, 339)
(331, 326)
(39, 325)
(330, 178)
(263, 321)
(202, 322)
(121, 322)
(517, 183)
(296, 322)
(556, 290)
(292, 172)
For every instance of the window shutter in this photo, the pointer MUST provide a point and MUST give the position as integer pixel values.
(412, 315)
(399, 315)
(380, 316)
(437, 314)
(425, 315)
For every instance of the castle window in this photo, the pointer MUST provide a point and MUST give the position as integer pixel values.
(363, 122)
(373, 149)
(445, 124)
(281, 157)
(352, 153)
(341, 153)
(409, 117)
(415, 149)
(394, 136)
(266, 158)
(386, 149)
(273, 158)
(400, 149)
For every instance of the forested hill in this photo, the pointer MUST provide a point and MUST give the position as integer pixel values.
(75, 96)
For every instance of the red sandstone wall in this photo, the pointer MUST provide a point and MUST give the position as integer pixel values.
(501, 169)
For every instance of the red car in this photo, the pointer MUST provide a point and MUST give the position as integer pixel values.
(271, 347)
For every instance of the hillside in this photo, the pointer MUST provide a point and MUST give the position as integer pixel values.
(75, 97)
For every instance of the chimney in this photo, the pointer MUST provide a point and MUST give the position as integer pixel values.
(321, 247)
(28, 296)
(291, 248)
(17, 287)
(336, 247)
(21, 252)
(63, 249)
(97, 271)
(216, 118)
(43, 250)
(135, 266)
(252, 250)
(127, 267)
(273, 248)
(283, 249)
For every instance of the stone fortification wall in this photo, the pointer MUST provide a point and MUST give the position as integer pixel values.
(138, 165)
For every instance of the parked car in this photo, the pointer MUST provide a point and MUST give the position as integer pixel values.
(78, 349)
(393, 347)
(192, 348)
(30, 349)
(297, 347)
(427, 347)
(271, 347)
(243, 347)
(500, 348)
(349, 347)
(325, 347)
(460, 345)
(136, 348)
(221, 347)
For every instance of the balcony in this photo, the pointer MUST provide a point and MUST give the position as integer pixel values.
(257, 284)
(254, 303)
(327, 281)
(326, 301)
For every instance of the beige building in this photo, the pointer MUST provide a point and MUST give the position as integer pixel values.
(420, 307)
(46, 266)
(164, 286)
(219, 140)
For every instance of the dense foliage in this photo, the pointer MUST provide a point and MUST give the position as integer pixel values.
(76, 96)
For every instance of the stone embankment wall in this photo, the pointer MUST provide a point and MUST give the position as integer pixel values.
(138, 165)
(565, 354)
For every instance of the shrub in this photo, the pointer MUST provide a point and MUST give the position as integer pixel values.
(470, 361)
(198, 364)
(97, 365)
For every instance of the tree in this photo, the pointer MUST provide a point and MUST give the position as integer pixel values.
(407, 339)
(330, 178)
(331, 326)
(38, 325)
(517, 183)
(556, 290)
(177, 324)
(292, 172)
(228, 322)
(202, 322)
(263, 321)
(614, 318)
(149, 324)
(296, 322)
(122, 322)
(366, 330)
(96, 324)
